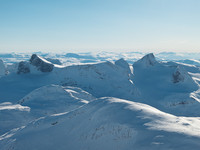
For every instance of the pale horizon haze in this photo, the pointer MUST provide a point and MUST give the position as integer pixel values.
(99, 25)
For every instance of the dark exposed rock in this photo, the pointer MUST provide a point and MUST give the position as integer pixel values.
(54, 61)
(23, 67)
(41, 64)
(183, 79)
(177, 77)
(181, 75)
(54, 123)
(2, 68)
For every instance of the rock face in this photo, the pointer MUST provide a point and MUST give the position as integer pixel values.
(181, 75)
(2, 68)
(23, 67)
(147, 60)
(41, 64)
(54, 61)
(177, 77)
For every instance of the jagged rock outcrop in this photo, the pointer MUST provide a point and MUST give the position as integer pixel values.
(177, 76)
(147, 60)
(41, 64)
(180, 75)
(23, 67)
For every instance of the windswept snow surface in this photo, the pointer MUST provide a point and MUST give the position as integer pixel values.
(9, 106)
(53, 99)
(108, 123)
(47, 100)
(100, 101)
(12, 116)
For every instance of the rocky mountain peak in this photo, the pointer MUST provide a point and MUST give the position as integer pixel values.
(180, 75)
(42, 64)
(147, 60)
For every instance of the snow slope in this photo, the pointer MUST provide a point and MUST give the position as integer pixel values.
(12, 116)
(43, 101)
(52, 99)
(108, 123)
(102, 79)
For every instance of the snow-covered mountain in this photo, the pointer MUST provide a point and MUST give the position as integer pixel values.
(167, 86)
(102, 79)
(150, 104)
(53, 99)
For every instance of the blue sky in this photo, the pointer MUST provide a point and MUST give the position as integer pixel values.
(109, 25)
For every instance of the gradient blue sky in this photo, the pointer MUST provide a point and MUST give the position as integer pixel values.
(109, 25)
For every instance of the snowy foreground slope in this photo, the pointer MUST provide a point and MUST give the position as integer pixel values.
(149, 104)
(107, 123)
